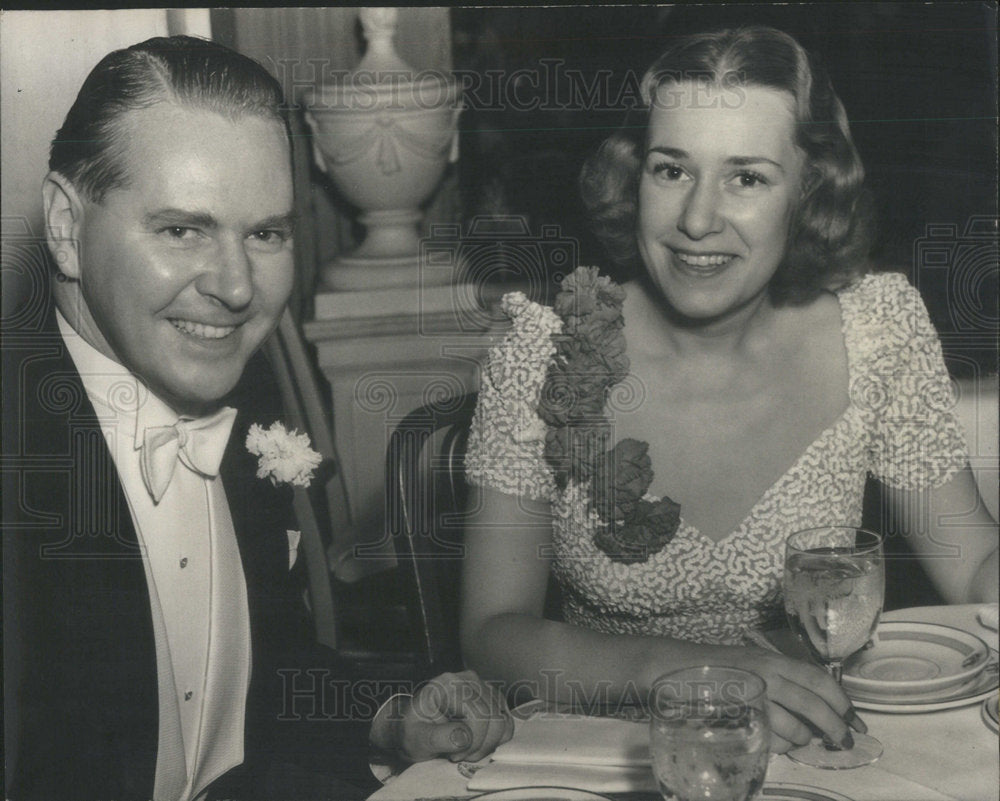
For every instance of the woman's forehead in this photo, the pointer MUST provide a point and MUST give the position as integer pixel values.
(701, 116)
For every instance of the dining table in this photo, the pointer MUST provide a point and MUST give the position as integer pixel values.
(947, 754)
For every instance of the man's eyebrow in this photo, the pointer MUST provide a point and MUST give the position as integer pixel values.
(199, 219)
(179, 217)
(286, 222)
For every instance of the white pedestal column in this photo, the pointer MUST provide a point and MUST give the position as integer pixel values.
(386, 352)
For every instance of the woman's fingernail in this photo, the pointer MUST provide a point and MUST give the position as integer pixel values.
(848, 742)
(853, 719)
(460, 737)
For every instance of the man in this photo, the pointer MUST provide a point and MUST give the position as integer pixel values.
(148, 603)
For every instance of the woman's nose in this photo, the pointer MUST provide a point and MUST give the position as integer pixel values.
(701, 215)
(228, 277)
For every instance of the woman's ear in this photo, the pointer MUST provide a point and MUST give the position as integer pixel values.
(63, 222)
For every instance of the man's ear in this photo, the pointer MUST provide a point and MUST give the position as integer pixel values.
(63, 221)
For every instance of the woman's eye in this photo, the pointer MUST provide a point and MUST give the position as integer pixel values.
(750, 180)
(668, 170)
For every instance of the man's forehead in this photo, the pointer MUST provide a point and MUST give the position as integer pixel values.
(185, 156)
(175, 125)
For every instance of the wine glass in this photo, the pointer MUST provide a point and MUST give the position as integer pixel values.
(834, 588)
(709, 734)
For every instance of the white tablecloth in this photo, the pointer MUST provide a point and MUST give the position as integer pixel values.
(948, 755)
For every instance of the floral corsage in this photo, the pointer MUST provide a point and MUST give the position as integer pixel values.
(590, 360)
(285, 456)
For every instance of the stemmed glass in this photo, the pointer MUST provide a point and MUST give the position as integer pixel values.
(834, 588)
(709, 734)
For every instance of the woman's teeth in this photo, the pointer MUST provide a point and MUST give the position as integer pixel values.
(203, 331)
(709, 260)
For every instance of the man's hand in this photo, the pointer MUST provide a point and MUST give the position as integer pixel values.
(455, 715)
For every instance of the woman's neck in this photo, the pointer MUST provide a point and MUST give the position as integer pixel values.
(652, 324)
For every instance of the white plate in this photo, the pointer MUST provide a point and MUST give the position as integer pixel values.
(990, 716)
(540, 794)
(798, 792)
(915, 659)
(980, 687)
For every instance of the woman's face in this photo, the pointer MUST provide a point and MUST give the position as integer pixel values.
(718, 187)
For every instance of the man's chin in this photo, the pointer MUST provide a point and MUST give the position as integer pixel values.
(196, 401)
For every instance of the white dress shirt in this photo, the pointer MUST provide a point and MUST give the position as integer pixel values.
(196, 586)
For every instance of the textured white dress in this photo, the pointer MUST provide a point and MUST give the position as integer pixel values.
(899, 426)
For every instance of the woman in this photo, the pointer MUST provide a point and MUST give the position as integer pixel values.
(767, 374)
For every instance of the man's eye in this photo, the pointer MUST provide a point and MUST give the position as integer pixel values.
(179, 232)
(273, 238)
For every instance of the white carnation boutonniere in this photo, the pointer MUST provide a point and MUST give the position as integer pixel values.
(285, 456)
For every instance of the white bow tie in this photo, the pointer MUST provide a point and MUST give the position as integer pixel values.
(198, 444)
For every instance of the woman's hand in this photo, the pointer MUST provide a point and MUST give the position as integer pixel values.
(800, 696)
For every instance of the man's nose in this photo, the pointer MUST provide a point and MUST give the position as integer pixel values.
(701, 214)
(228, 277)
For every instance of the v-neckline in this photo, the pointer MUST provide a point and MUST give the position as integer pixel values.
(773, 487)
(741, 527)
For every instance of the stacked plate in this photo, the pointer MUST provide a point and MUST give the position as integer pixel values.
(920, 667)
(991, 712)
(770, 792)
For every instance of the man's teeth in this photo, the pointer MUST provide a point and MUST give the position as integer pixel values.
(202, 330)
(710, 260)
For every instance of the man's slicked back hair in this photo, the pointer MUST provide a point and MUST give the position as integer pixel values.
(88, 149)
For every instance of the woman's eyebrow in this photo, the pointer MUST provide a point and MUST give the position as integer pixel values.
(746, 161)
(672, 152)
(736, 161)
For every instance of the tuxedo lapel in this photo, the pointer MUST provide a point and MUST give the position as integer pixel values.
(261, 515)
(86, 670)
(261, 512)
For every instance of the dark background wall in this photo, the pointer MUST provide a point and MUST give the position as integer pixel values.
(919, 82)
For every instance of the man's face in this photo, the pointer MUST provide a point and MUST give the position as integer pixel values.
(185, 271)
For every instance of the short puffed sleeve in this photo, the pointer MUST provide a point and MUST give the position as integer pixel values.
(900, 384)
(507, 439)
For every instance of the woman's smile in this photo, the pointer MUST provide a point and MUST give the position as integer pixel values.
(701, 265)
(703, 259)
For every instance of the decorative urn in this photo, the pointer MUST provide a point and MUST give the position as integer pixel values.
(384, 134)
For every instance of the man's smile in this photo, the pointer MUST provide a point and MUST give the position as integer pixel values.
(202, 330)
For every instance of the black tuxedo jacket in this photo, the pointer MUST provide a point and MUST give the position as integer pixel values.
(81, 709)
